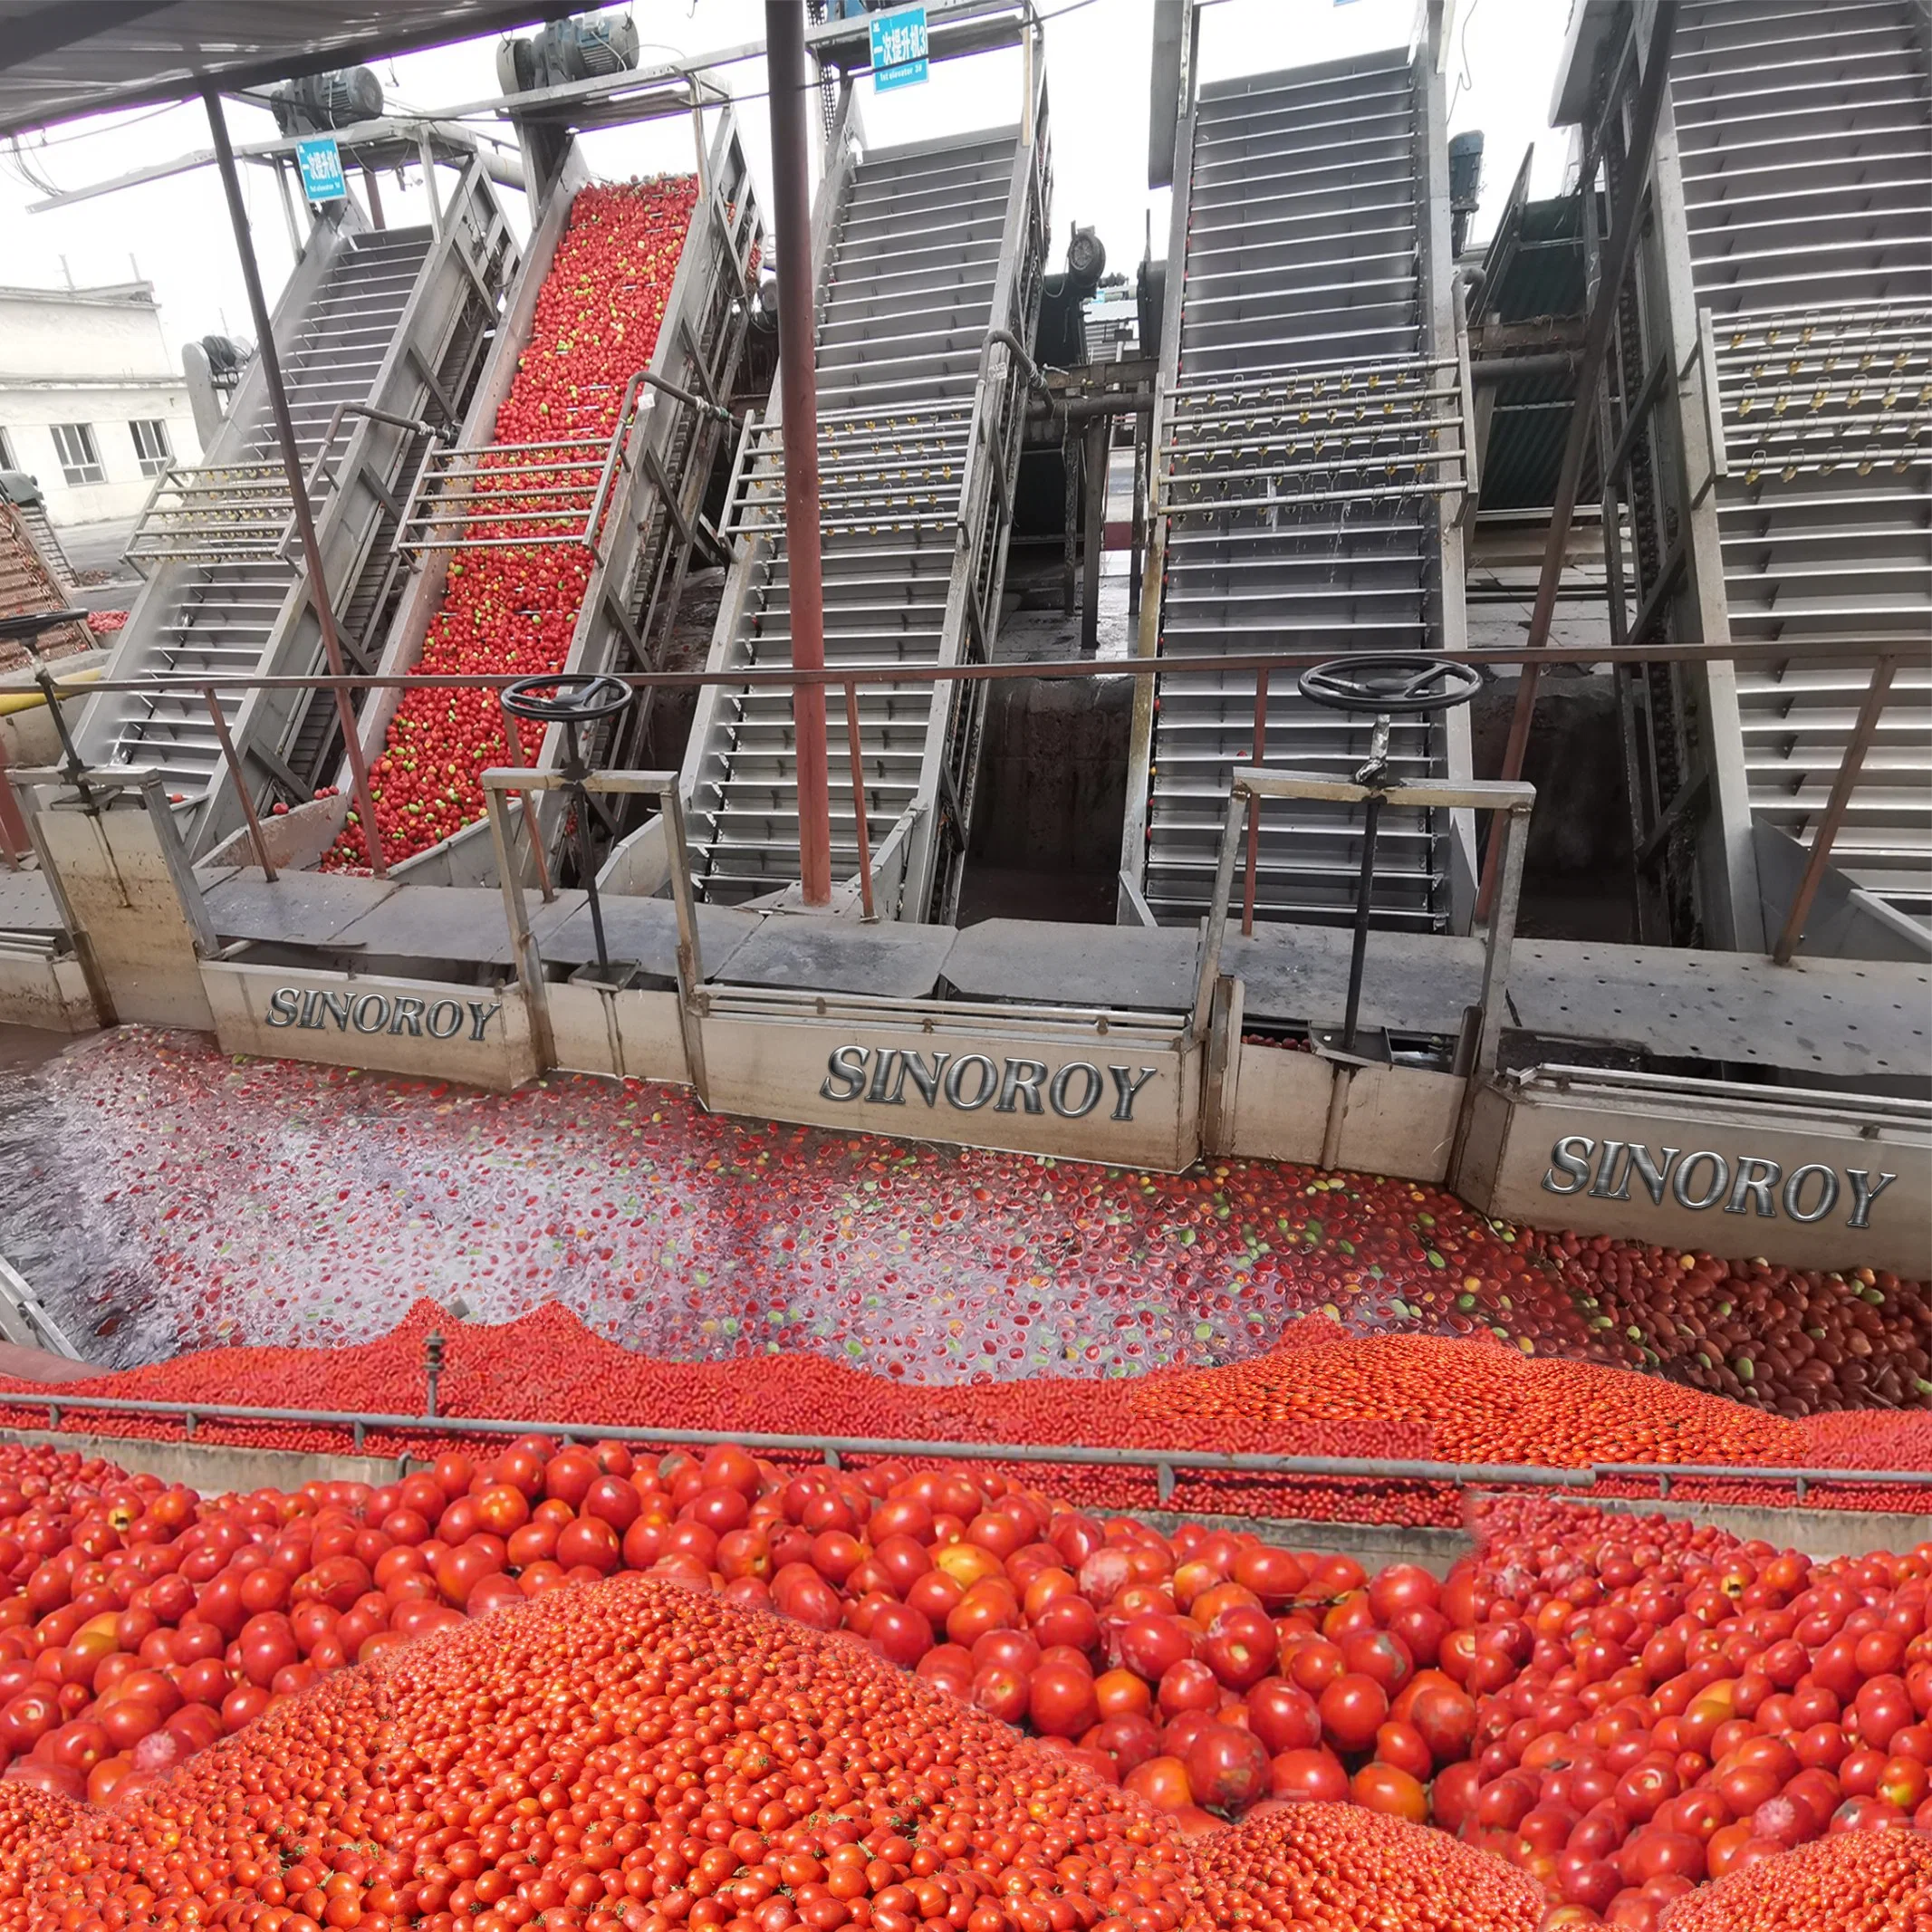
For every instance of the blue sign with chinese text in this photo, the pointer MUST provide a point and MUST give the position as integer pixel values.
(898, 48)
(321, 162)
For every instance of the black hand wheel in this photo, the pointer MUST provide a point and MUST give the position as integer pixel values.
(573, 702)
(581, 699)
(1392, 683)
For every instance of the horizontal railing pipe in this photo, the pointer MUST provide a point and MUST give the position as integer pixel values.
(830, 1448)
(1735, 650)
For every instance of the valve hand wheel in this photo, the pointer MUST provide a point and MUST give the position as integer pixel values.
(574, 701)
(1395, 683)
(1392, 684)
(580, 699)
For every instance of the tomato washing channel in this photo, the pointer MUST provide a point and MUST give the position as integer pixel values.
(739, 1007)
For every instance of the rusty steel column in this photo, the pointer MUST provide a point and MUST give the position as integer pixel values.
(784, 41)
(264, 336)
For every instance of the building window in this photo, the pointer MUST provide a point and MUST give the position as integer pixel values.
(7, 453)
(150, 444)
(80, 456)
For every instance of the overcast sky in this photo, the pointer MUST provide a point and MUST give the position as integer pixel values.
(1502, 75)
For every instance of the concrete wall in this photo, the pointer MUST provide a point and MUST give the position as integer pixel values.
(1052, 785)
(48, 993)
(1577, 870)
(122, 885)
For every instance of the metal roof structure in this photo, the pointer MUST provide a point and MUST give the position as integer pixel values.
(60, 60)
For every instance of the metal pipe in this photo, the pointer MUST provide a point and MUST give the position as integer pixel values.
(1096, 463)
(425, 153)
(1028, 366)
(343, 410)
(716, 411)
(784, 34)
(858, 824)
(1243, 1462)
(241, 785)
(1617, 259)
(282, 173)
(1083, 408)
(1836, 806)
(318, 586)
(1514, 368)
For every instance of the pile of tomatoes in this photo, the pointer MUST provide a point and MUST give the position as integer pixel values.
(1669, 1706)
(1848, 1884)
(512, 610)
(1620, 1709)
(634, 1758)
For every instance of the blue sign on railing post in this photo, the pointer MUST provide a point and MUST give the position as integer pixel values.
(321, 162)
(898, 48)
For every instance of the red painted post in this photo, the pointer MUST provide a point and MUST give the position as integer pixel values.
(784, 58)
(13, 836)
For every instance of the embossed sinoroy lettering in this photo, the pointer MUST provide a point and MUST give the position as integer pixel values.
(966, 1083)
(1749, 1184)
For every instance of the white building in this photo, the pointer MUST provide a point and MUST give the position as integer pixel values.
(91, 401)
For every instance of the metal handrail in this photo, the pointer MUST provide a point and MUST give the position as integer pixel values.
(832, 1449)
(1856, 650)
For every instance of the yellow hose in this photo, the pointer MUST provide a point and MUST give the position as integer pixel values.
(12, 702)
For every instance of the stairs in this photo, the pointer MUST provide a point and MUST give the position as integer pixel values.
(46, 540)
(29, 585)
(923, 250)
(1804, 139)
(1308, 458)
(394, 319)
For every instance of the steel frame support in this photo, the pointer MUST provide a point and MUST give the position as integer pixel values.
(1446, 339)
(1644, 399)
(784, 28)
(1131, 909)
(1605, 301)
(318, 585)
(1729, 909)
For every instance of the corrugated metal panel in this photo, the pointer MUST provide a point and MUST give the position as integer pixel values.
(1541, 277)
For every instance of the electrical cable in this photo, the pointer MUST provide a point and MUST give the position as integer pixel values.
(1466, 78)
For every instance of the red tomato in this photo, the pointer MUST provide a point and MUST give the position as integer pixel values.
(1308, 1775)
(1352, 1708)
(1227, 1768)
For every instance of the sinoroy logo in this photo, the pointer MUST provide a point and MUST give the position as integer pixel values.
(1704, 1179)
